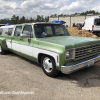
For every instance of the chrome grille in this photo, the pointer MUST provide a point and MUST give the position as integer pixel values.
(87, 51)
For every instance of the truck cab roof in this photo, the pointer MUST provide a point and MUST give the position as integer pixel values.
(10, 26)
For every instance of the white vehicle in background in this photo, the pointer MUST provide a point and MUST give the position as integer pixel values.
(92, 25)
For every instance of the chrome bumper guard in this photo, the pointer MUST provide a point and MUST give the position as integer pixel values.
(72, 68)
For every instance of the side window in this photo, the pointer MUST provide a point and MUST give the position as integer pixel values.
(28, 30)
(10, 31)
(17, 30)
(5, 31)
(0, 31)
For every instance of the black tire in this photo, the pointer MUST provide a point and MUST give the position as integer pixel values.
(46, 63)
(2, 52)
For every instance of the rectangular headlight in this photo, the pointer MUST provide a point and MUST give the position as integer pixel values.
(70, 54)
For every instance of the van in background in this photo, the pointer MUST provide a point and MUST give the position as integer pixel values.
(92, 25)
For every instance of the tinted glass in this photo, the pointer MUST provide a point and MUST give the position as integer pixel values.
(49, 30)
(97, 22)
(18, 30)
(5, 31)
(10, 31)
(28, 31)
(59, 30)
(0, 31)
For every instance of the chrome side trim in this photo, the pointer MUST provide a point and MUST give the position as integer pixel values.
(71, 68)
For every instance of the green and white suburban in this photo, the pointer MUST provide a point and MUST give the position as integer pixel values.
(50, 45)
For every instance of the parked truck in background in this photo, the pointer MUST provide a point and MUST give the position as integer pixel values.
(50, 45)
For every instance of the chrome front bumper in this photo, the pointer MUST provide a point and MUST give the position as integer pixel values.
(72, 68)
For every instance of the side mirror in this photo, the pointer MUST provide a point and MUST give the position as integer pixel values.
(23, 35)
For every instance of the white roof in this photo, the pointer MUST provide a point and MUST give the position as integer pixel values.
(36, 23)
(12, 26)
(29, 23)
(2, 24)
(9, 26)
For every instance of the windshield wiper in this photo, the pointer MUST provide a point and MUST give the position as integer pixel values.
(49, 36)
(60, 34)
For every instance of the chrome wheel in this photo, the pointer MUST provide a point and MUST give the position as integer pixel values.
(47, 64)
(0, 49)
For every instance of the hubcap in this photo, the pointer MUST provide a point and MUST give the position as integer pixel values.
(0, 49)
(47, 64)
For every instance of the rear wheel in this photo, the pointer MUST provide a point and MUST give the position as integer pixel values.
(48, 66)
(2, 51)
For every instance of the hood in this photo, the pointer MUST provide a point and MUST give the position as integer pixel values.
(70, 41)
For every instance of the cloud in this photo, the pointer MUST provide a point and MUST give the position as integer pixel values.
(79, 6)
(73, 7)
(32, 8)
(97, 8)
(56, 5)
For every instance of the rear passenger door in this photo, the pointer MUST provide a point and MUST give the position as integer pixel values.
(16, 38)
(26, 43)
(7, 32)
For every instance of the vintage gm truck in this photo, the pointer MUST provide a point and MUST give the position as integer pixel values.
(50, 45)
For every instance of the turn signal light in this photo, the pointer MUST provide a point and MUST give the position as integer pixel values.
(92, 27)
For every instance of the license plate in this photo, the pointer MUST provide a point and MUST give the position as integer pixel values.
(91, 63)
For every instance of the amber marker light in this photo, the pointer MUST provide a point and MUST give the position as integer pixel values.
(3, 43)
(45, 21)
(34, 21)
(57, 60)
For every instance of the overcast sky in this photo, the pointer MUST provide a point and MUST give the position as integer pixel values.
(32, 8)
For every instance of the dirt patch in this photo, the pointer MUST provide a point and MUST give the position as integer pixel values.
(81, 33)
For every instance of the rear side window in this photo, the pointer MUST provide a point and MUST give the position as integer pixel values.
(18, 30)
(5, 31)
(97, 22)
(0, 31)
(10, 31)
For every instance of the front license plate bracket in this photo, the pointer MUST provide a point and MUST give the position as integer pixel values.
(91, 63)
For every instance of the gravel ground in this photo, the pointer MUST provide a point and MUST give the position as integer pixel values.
(19, 74)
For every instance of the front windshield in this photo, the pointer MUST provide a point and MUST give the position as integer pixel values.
(50, 30)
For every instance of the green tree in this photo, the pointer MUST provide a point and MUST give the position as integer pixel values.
(22, 20)
(47, 18)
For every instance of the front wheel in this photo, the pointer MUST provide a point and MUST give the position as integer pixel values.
(48, 66)
(2, 51)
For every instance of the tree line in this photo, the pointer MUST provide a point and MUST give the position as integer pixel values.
(17, 20)
(83, 13)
